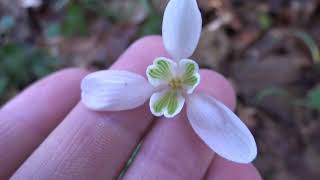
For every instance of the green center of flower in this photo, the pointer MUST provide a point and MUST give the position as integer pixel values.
(176, 83)
(178, 79)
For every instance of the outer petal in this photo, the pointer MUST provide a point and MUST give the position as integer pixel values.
(112, 90)
(189, 71)
(181, 28)
(161, 71)
(221, 129)
(167, 102)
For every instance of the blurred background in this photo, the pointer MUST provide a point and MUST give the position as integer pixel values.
(268, 49)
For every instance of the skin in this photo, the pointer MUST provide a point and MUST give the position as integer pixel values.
(46, 133)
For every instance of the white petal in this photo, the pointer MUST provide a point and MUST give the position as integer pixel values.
(221, 129)
(181, 28)
(166, 107)
(112, 90)
(161, 71)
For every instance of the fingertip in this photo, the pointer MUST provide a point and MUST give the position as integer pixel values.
(148, 40)
(67, 73)
(255, 172)
(223, 169)
(216, 85)
(72, 72)
(141, 54)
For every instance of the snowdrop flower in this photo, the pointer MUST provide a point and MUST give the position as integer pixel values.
(171, 84)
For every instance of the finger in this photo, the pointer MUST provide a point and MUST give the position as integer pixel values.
(92, 145)
(222, 169)
(27, 120)
(172, 150)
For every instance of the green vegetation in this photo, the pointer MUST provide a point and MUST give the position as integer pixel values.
(21, 65)
(314, 98)
(74, 22)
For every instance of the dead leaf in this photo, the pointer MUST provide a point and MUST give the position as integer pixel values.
(212, 49)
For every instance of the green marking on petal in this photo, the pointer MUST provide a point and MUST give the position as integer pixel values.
(190, 69)
(161, 70)
(154, 73)
(173, 104)
(162, 102)
(191, 81)
(163, 65)
(189, 75)
(169, 101)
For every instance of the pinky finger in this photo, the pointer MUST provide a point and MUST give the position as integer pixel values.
(221, 169)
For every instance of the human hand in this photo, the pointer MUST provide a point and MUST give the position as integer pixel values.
(85, 144)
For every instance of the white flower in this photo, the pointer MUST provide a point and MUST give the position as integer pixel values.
(170, 84)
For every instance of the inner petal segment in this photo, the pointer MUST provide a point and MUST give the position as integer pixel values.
(161, 71)
(190, 74)
(167, 102)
